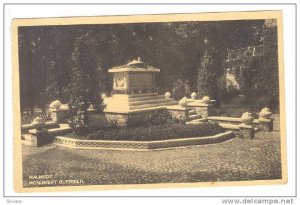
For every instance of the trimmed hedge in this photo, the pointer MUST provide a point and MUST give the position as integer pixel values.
(155, 132)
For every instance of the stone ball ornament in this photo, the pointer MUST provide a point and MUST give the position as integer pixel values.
(194, 95)
(265, 113)
(183, 102)
(38, 123)
(55, 104)
(206, 99)
(247, 118)
(168, 95)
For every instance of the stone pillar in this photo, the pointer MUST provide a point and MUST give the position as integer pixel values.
(179, 114)
(204, 110)
(58, 115)
(247, 131)
(204, 107)
(39, 137)
(265, 124)
(247, 128)
(265, 120)
(58, 111)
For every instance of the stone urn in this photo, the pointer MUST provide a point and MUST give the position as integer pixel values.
(193, 95)
(103, 96)
(247, 118)
(38, 123)
(265, 113)
(168, 95)
(183, 102)
(55, 104)
(206, 99)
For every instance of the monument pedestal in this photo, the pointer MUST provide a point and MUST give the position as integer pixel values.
(134, 99)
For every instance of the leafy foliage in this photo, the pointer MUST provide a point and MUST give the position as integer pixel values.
(181, 88)
(156, 132)
(83, 86)
(45, 54)
(208, 75)
(258, 76)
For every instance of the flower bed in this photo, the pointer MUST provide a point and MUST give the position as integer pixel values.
(155, 132)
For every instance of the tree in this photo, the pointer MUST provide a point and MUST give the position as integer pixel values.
(207, 74)
(174, 47)
(84, 86)
(267, 78)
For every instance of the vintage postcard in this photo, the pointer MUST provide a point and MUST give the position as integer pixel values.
(148, 101)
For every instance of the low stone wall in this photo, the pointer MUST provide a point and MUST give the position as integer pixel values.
(142, 145)
(241, 130)
(261, 124)
(48, 125)
(204, 110)
(178, 113)
(100, 120)
(37, 138)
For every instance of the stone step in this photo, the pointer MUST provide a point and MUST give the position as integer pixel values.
(229, 126)
(194, 123)
(200, 120)
(193, 117)
(135, 107)
(163, 100)
(172, 102)
(64, 125)
(197, 121)
(141, 95)
(192, 112)
(152, 97)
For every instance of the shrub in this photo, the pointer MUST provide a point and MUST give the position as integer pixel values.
(159, 118)
(155, 132)
(181, 88)
(27, 118)
(207, 75)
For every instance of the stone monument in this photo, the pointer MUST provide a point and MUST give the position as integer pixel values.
(134, 88)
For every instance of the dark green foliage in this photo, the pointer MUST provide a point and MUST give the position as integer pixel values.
(27, 118)
(258, 76)
(83, 86)
(208, 75)
(267, 78)
(156, 132)
(176, 48)
(181, 88)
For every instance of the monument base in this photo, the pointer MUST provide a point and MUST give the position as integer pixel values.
(135, 102)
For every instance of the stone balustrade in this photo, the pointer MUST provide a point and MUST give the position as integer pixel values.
(241, 130)
(265, 124)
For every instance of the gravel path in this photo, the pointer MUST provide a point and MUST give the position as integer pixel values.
(239, 159)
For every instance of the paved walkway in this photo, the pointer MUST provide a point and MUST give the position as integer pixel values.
(239, 159)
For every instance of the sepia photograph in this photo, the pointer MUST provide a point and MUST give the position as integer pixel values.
(174, 100)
